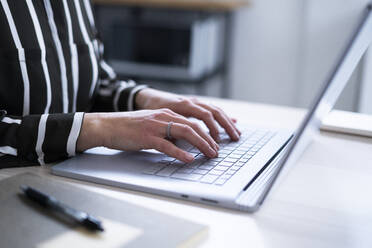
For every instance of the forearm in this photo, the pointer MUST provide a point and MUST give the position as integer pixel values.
(91, 132)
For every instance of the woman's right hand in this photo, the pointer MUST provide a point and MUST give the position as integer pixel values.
(146, 129)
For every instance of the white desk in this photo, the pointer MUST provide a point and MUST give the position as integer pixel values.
(325, 201)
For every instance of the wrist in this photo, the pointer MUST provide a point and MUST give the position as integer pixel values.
(91, 132)
(142, 99)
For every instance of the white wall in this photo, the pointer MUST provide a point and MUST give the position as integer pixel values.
(284, 50)
(265, 51)
(328, 28)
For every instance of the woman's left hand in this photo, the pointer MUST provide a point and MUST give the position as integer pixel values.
(189, 107)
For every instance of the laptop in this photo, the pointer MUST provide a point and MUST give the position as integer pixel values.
(245, 171)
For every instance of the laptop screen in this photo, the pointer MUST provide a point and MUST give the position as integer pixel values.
(330, 92)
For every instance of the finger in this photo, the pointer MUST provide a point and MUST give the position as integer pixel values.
(207, 117)
(231, 120)
(180, 119)
(217, 111)
(171, 150)
(182, 131)
(223, 120)
(169, 115)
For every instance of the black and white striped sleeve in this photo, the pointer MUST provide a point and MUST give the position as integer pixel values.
(113, 94)
(40, 138)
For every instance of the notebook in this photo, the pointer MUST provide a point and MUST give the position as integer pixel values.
(26, 224)
(348, 123)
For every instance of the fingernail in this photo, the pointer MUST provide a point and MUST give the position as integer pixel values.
(212, 152)
(236, 135)
(189, 157)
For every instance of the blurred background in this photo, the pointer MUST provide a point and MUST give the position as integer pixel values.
(267, 51)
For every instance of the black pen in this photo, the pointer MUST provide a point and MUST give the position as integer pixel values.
(52, 203)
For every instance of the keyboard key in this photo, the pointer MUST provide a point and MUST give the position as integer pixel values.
(251, 153)
(211, 163)
(250, 142)
(191, 166)
(163, 162)
(220, 181)
(240, 164)
(206, 167)
(231, 160)
(244, 160)
(201, 157)
(237, 157)
(216, 172)
(228, 148)
(219, 159)
(245, 148)
(255, 149)
(221, 168)
(230, 172)
(196, 162)
(185, 170)
(194, 150)
(234, 168)
(195, 154)
(232, 144)
(226, 177)
(191, 177)
(209, 179)
(200, 171)
(153, 169)
(178, 163)
(167, 171)
(223, 151)
(238, 152)
(226, 164)
(167, 159)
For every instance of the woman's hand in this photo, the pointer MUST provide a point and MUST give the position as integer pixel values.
(189, 107)
(146, 129)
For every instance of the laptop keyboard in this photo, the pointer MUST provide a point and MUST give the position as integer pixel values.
(232, 157)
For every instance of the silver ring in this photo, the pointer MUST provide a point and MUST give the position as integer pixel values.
(169, 136)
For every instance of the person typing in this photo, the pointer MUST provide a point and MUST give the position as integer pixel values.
(58, 96)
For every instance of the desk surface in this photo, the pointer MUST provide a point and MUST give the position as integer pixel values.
(182, 4)
(325, 200)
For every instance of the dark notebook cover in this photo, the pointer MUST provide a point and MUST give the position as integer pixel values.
(25, 224)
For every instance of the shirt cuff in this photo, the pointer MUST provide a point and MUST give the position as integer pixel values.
(124, 99)
(49, 137)
(74, 134)
(132, 97)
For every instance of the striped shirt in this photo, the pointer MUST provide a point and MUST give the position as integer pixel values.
(52, 71)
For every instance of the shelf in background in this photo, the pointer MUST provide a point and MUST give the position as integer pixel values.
(221, 5)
